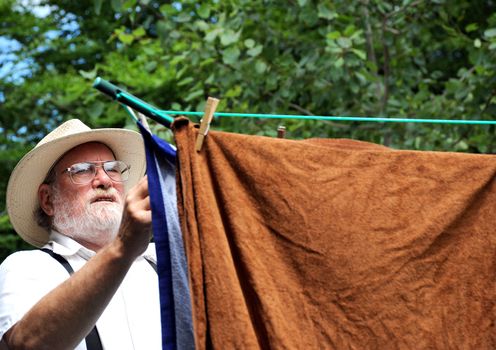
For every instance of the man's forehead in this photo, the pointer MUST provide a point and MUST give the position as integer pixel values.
(91, 151)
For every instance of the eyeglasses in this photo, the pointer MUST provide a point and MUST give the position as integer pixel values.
(85, 172)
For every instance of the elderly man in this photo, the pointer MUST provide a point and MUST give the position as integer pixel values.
(68, 196)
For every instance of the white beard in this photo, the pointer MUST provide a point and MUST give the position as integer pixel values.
(97, 223)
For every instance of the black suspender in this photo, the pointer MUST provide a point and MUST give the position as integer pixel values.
(153, 264)
(60, 259)
(92, 340)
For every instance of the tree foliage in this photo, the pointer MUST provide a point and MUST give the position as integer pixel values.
(408, 58)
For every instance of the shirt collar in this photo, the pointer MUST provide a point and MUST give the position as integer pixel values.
(66, 246)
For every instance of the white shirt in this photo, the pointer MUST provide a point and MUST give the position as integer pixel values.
(131, 319)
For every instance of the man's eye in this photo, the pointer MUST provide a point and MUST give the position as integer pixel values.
(81, 169)
(113, 168)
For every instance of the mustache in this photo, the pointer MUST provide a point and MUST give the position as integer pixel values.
(109, 195)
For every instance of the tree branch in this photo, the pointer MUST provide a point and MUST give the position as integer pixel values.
(402, 9)
(368, 32)
(385, 50)
(370, 42)
(488, 102)
(300, 109)
(385, 68)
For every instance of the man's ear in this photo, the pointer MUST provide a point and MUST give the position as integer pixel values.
(45, 198)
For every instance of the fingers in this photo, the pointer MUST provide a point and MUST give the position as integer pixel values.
(135, 230)
(147, 217)
(140, 190)
(147, 204)
(138, 202)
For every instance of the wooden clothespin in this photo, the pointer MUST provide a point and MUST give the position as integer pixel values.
(281, 131)
(205, 122)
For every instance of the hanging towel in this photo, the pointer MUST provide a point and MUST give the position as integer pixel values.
(336, 244)
(175, 301)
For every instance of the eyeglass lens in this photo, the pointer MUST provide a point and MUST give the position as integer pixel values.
(82, 173)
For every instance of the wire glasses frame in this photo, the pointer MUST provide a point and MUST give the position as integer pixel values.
(84, 172)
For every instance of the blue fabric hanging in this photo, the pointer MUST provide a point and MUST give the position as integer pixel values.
(175, 300)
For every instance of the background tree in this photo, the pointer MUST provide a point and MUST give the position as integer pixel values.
(409, 58)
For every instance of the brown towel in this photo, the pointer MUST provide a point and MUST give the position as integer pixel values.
(337, 244)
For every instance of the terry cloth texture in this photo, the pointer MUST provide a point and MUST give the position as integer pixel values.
(175, 300)
(337, 244)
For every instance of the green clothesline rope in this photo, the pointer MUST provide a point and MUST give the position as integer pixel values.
(164, 116)
(334, 118)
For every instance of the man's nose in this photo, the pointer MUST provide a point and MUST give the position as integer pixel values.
(101, 179)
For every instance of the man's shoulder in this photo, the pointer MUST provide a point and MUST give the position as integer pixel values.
(26, 260)
(23, 255)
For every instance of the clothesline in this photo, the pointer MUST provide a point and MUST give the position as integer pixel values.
(334, 118)
(167, 113)
(164, 116)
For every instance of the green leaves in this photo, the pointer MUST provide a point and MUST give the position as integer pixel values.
(260, 67)
(230, 55)
(325, 12)
(404, 59)
(97, 6)
(472, 27)
(203, 11)
(95, 109)
(229, 37)
(344, 42)
(255, 51)
(360, 54)
(88, 75)
(127, 37)
(194, 95)
(490, 33)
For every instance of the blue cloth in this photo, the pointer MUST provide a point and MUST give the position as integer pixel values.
(175, 300)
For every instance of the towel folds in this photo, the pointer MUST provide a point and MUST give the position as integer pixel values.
(336, 244)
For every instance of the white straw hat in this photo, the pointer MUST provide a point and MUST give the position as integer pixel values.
(30, 172)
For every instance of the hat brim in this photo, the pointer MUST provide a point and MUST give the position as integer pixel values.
(22, 189)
